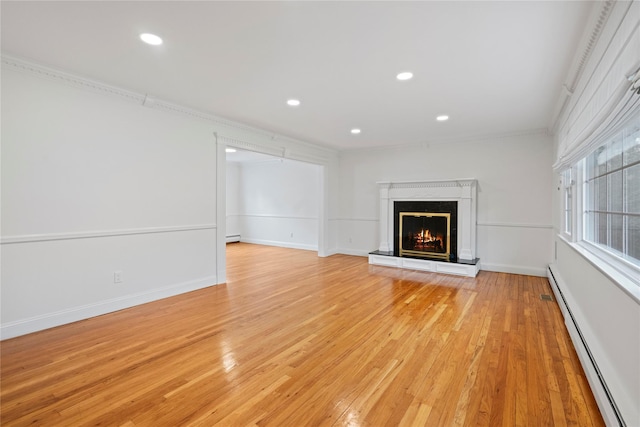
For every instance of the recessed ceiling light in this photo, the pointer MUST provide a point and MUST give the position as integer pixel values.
(355, 131)
(406, 75)
(230, 150)
(442, 118)
(293, 102)
(151, 39)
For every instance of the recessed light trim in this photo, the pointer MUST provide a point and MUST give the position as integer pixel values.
(229, 150)
(293, 102)
(355, 131)
(151, 39)
(405, 75)
(442, 118)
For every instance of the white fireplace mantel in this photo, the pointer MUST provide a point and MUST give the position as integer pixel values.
(463, 191)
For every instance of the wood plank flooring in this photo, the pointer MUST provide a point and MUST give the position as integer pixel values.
(297, 340)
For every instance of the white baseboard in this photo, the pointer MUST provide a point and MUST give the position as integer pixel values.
(356, 252)
(280, 244)
(331, 252)
(514, 269)
(62, 317)
(603, 398)
(233, 238)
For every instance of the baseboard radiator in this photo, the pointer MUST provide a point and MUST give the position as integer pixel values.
(233, 238)
(610, 411)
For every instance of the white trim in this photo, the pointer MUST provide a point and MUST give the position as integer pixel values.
(354, 252)
(571, 320)
(278, 216)
(464, 139)
(613, 259)
(464, 191)
(356, 219)
(444, 267)
(221, 209)
(514, 225)
(610, 269)
(435, 183)
(280, 244)
(330, 252)
(29, 238)
(515, 269)
(244, 145)
(70, 315)
(593, 29)
(322, 153)
(479, 224)
(22, 66)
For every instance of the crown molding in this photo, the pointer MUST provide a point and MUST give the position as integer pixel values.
(37, 70)
(486, 138)
(599, 15)
(589, 40)
(24, 66)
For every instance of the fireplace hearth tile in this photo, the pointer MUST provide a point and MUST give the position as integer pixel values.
(457, 261)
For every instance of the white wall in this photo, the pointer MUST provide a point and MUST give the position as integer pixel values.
(278, 202)
(98, 179)
(514, 206)
(607, 316)
(609, 320)
(233, 199)
(93, 184)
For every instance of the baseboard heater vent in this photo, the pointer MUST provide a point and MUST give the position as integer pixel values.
(560, 297)
(233, 238)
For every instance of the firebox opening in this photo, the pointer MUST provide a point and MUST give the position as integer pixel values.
(435, 213)
(425, 234)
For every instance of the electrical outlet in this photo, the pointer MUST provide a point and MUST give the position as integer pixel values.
(350, 240)
(117, 276)
(291, 234)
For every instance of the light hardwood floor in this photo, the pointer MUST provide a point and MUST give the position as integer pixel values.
(297, 340)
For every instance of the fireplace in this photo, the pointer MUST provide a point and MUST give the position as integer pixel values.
(449, 246)
(426, 229)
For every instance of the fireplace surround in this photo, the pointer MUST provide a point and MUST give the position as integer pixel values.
(457, 197)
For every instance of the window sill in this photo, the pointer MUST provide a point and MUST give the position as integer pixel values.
(630, 286)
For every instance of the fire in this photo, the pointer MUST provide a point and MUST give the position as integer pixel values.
(425, 236)
(424, 239)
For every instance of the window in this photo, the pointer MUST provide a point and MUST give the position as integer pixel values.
(611, 191)
(567, 184)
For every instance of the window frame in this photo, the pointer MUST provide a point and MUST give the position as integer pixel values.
(569, 205)
(604, 258)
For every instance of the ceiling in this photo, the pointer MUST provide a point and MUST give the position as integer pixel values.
(494, 67)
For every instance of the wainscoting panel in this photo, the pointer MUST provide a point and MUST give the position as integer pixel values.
(284, 231)
(504, 247)
(51, 282)
(515, 247)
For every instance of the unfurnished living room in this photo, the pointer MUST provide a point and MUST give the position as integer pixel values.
(331, 213)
